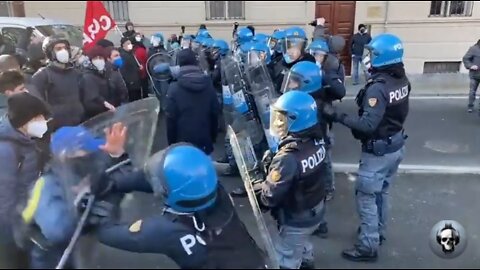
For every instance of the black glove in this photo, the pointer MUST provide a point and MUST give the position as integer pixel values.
(257, 188)
(329, 112)
(267, 160)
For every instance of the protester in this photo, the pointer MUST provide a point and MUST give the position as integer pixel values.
(192, 106)
(130, 70)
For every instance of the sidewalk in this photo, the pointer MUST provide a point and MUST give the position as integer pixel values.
(441, 84)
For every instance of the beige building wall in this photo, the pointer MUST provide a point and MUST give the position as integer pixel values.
(425, 38)
(167, 16)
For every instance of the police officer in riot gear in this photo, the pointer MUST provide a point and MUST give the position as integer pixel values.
(294, 189)
(219, 50)
(197, 228)
(333, 89)
(383, 110)
(242, 36)
(275, 42)
(293, 47)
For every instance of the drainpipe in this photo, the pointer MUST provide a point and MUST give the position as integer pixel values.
(386, 16)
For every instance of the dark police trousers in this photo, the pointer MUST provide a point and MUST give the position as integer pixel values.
(375, 175)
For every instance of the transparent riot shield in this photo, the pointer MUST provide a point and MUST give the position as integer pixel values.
(250, 171)
(264, 94)
(83, 167)
(81, 163)
(158, 70)
(203, 61)
(242, 110)
(140, 117)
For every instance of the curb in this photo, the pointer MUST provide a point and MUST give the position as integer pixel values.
(414, 169)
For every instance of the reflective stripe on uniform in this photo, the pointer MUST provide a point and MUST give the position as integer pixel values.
(32, 204)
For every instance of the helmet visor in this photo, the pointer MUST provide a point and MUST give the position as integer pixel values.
(278, 123)
(293, 81)
(256, 57)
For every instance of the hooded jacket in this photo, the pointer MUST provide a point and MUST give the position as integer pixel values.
(19, 167)
(192, 109)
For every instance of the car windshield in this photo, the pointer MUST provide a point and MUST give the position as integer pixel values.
(72, 33)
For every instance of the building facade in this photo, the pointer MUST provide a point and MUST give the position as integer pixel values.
(436, 34)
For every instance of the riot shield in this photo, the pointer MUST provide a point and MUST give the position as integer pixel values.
(158, 69)
(241, 109)
(203, 61)
(250, 171)
(157, 66)
(264, 94)
(79, 160)
(140, 117)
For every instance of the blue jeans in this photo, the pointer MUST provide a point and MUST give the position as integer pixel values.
(375, 175)
(293, 245)
(473, 91)
(356, 64)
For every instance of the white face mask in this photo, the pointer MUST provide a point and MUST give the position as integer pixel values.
(129, 47)
(155, 43)
(99, 64)
(62, 56)
(138, 39)
(37, 128)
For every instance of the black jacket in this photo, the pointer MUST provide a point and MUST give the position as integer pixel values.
(130, 70)
(97, 91)
(192, 109)
(61, 89)
(358, 43)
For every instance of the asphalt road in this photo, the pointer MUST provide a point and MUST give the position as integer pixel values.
(417, 204)
(440, 133)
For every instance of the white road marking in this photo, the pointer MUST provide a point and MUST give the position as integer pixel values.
(426, 97)
(416, 169)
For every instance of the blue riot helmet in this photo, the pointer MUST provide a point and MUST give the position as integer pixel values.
(243, 36)
(184, 176)
(303, 76)
(293, 112)
(383, 50)
(203, 33)
(243, 50)
(318, 48)
(258, 52)
(187, 41)
(207, 43)
(262, 38)
(219, 48)
(294, 44)
(276, 40)
(157, 39)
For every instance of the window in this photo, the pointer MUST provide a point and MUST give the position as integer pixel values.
(441, 67)
(6, 9)
(13, 33)
(225, 10)
(451, 8)
(118, 10)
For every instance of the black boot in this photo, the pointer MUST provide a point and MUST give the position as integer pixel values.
(239, 192)
(357, 255)
(307, 265)
(321, 231)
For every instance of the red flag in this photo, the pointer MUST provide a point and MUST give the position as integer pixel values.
(97, 23)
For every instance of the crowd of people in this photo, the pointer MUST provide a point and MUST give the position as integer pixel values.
(205, 86)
